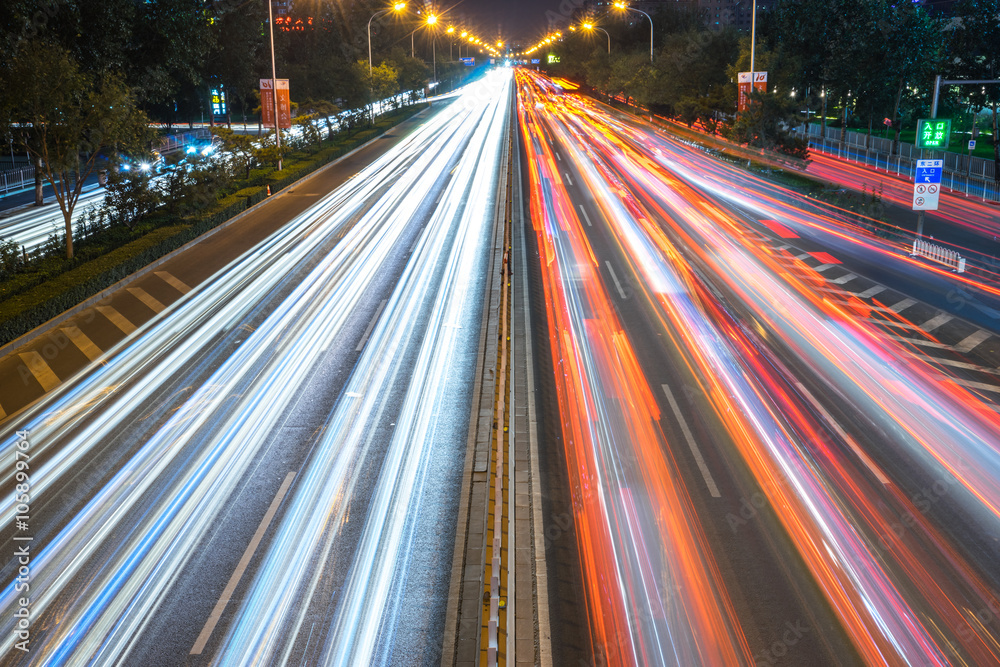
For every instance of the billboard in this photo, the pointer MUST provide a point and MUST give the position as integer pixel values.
(759, 84)
(267, 104)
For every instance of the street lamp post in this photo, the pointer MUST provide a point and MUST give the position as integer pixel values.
(274, 82)
(622, 5)
(591, 26)
(399, 6)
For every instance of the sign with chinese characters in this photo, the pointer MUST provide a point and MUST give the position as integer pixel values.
(927, 185)
(759, 84)
(218, 102)
(553, 58)
(267, 104)
(933, 133)
(469, 62)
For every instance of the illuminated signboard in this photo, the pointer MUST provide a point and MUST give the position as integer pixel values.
(933, 133)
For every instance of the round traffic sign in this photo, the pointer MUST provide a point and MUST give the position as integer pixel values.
(932, 189)
(921, 189)
(919, 201)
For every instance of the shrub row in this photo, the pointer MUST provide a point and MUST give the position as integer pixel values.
(23, 312)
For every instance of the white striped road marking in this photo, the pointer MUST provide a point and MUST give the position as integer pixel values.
(892, 323)
(823, 267)
(220, 606)
(982, 386)
(803, 256)
(902, 305)
(698, 458)
(936, 321)
(116, 319)
(848, 439)
(568, 179)
(871, 291)
(40, 370)
(371, 325)
(971, 341)
(919, 341)
(843, 280)
(173, 282)
(83, 343)
(615, 278)
(557, 155)
(586, 218)
(2, 413)
(151, 302)
(960, 364)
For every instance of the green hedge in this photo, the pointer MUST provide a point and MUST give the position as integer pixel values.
(23, 312)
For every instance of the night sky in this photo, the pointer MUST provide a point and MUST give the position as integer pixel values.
(518, 19)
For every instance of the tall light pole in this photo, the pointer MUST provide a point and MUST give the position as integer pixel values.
(274, 82)
(398, 7)
(451, 43)
(432, 19)
(753, 40)
(623, 6)
(591, 26)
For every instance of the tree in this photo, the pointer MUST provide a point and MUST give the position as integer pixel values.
(975, 54)
(242, 148)
(65, 119)
(129, 197)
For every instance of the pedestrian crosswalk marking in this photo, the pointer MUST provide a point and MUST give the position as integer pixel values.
(40, 370)
(148, 299)
(116, 319)
(83, 342)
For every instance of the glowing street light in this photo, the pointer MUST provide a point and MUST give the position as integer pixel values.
(398, 7)
(624, 7)
(591, 26)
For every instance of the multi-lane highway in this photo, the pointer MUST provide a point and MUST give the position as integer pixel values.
(766, 467)
(260, 474)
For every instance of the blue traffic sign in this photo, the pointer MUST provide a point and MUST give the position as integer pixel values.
(929, 171)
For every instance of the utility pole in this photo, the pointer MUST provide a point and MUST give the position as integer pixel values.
(274, 82)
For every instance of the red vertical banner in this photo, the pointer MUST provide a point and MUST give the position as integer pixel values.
(267, 104)
(759, 84)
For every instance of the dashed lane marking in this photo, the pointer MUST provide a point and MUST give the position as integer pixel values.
(371, 325)
(220, 606)
(698, 458)
(176, 283)
(568, 179)
(116, 319)
(848, 439)
(614, 277)
(82, 342)
(902, 305)
(971, 341)
(586, 218)
(40, 370)
(936, 321)
(871, 291)
(843, 280)
(148, 299)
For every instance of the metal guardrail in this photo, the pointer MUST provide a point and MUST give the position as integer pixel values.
(939, 254)
(17, 179)
(979, 184)
(174, 142)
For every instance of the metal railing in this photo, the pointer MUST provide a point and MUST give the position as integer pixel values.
(939, 254)
(973, 178)
(174, 142)
(16, 179)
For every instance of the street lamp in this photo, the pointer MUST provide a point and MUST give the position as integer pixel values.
(274, 82)
(451, 43)
(432, 20)
(624, 7)
(398, 7)
(591, 26)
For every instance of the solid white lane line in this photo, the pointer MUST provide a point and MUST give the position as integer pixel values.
(848, 439)
(586, 218)
(699, 459)
(618, 285)
(371, 325)
(220, 606)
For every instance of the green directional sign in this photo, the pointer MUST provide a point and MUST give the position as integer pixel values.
(933, 133)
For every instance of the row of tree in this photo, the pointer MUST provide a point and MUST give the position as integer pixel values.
(862, 61)
(84, 81)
